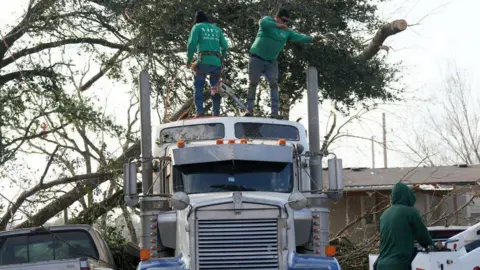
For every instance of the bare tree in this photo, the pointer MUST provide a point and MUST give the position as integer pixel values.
(452, 132)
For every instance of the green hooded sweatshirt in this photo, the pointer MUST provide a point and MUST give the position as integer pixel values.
(400, 225)
(206, 37)
(271, 40)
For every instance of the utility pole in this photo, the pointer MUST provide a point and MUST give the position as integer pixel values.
(384, 125)
(65, 216)
(373, 152)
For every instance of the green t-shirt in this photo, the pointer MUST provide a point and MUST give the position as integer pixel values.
(271, 40)
(206, 37)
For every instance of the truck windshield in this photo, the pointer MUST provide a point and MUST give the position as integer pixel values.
(44, 246)
(234, 175)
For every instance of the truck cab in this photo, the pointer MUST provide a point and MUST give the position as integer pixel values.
(237, 200)
(233, 193)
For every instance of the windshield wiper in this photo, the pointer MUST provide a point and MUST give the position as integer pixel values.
(231, 188)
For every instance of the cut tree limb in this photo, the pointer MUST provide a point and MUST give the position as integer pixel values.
(382, 34)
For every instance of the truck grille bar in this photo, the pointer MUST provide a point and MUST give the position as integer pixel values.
(238, 244)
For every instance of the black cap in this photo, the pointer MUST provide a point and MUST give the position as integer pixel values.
(200, 17)
(283, 13)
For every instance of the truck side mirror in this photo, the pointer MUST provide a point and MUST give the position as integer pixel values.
(130, 184)
(335, 179)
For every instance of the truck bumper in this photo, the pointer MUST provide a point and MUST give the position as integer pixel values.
(295, 262)
(310, 261)
(175, 263)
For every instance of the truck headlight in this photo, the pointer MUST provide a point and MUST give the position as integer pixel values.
(180, 200)
(297, 201)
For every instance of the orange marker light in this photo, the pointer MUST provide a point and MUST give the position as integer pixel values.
(231, 141)
(219, 141)
(144, 254)
(330, 251)
(243, 141)
(181, 144)
(282, 142)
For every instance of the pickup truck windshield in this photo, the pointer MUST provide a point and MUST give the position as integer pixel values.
(44, 246)
(234, 175)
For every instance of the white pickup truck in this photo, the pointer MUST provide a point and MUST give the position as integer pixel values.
(461, 253)
(69, 247)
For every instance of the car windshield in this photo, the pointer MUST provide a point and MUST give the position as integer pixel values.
(234, 175)
(44, 246)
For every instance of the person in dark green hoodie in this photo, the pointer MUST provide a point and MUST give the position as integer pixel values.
(210, 44)
(400, 225)
(272, 36)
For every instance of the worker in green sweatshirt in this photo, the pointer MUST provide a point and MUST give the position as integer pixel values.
(273, 34)
(211, 46)
(400, 225)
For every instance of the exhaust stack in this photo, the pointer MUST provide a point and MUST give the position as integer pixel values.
(150, 206)
(146, 133)
(314, 130)
(317, 201)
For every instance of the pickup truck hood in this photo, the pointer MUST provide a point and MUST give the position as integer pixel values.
(73, 264)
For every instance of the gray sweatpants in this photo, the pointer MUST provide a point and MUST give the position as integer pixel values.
(256, 68)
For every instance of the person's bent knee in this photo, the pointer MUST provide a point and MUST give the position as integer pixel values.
(253, 84)
(273, 84)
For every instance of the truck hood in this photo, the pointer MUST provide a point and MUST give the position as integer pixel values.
(270, 198)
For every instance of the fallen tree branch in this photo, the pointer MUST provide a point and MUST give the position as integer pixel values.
(91, 214)
(69, 41)
(104, 173)
(64, 180)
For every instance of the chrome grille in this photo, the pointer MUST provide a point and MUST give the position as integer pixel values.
(238, 244)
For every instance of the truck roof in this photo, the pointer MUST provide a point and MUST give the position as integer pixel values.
(49, 228)
(235, 128)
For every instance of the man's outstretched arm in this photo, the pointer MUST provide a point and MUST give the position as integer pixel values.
(300, 38)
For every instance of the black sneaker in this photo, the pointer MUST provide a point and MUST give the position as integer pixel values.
(248, 114)
(279, 117)
(200, 115)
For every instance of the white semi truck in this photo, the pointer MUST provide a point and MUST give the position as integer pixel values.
(234, 192)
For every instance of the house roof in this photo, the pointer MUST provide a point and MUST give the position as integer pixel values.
(443, 175)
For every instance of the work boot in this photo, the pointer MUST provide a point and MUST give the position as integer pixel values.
(200, 115)
(279, 117)
(248, 113)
